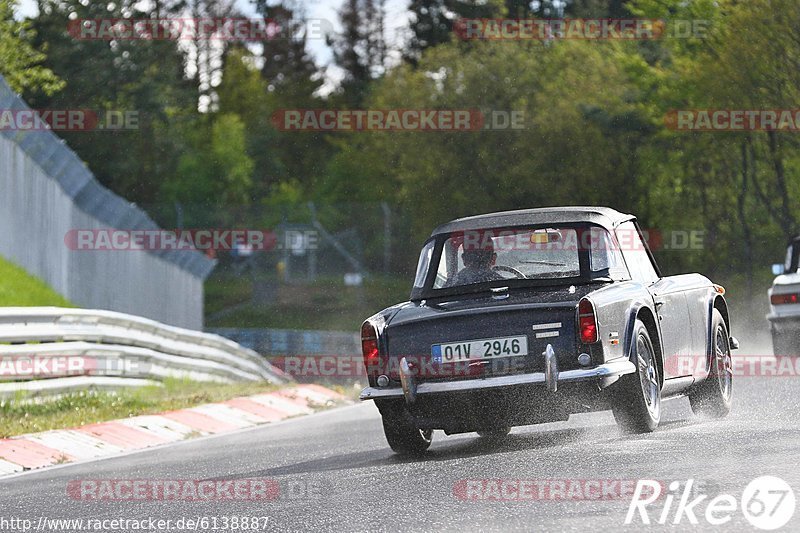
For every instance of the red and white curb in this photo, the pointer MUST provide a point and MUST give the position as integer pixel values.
(105, 439)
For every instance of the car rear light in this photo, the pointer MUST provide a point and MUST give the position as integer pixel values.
(587, 324)
(785, 299)
(369, 347)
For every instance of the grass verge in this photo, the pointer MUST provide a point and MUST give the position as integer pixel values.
(20, 289)
(18, 416)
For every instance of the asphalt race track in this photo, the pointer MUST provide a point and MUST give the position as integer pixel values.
(336, 473)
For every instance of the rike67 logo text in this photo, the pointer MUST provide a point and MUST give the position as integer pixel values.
(768, 503)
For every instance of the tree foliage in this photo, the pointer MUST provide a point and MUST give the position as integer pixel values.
(594, 129)
(20, 62)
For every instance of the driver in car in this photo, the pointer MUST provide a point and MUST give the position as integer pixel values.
(478, 266)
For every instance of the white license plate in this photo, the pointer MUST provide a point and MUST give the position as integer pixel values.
(452, 352)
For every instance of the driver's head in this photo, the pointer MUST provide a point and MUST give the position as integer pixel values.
(480, 256)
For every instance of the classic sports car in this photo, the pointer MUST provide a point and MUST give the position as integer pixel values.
(526, 317)
(784, 299)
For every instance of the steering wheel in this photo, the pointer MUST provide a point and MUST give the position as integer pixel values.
(504, 268)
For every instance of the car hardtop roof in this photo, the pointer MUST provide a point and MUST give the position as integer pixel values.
(602, 216)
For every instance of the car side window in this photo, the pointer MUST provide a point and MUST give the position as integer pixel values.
(605, 256)
(635, 253)
(449, 264)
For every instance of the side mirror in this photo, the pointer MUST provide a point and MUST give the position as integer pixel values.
(778, 269)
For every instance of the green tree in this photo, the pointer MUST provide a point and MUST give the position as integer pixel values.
(350, 54)
(578, 129)
(244, 93)
(215, 170)
(288, 68)
(146, 77)
(20, 62)
(596, 9)
(360, 50)
(430, 25)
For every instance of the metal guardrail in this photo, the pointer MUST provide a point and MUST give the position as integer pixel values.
(39, 172)
(50, 350)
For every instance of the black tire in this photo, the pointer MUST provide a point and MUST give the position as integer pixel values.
(403, 436)
(712, 397)
(494, 434)
(784, 344)
(637, 397)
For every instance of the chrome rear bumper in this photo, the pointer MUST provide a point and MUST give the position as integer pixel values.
(410, 389)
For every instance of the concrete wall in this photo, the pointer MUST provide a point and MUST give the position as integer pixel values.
(46, 191)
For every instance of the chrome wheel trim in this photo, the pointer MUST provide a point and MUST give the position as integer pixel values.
(648, 376)
(723, 363)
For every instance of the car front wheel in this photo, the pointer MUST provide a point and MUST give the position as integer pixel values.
(637, 398)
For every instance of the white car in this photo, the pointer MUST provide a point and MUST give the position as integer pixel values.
(784, 297)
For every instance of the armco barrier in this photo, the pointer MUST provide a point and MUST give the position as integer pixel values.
(46, 191)
(113, 349)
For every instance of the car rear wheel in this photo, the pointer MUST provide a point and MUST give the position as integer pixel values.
(637, 398)
(712, 398)
(403, 436)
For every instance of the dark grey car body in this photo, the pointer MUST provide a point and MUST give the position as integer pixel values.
(552, 381)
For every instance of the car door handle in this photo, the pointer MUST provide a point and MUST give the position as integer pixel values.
(659, 305)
